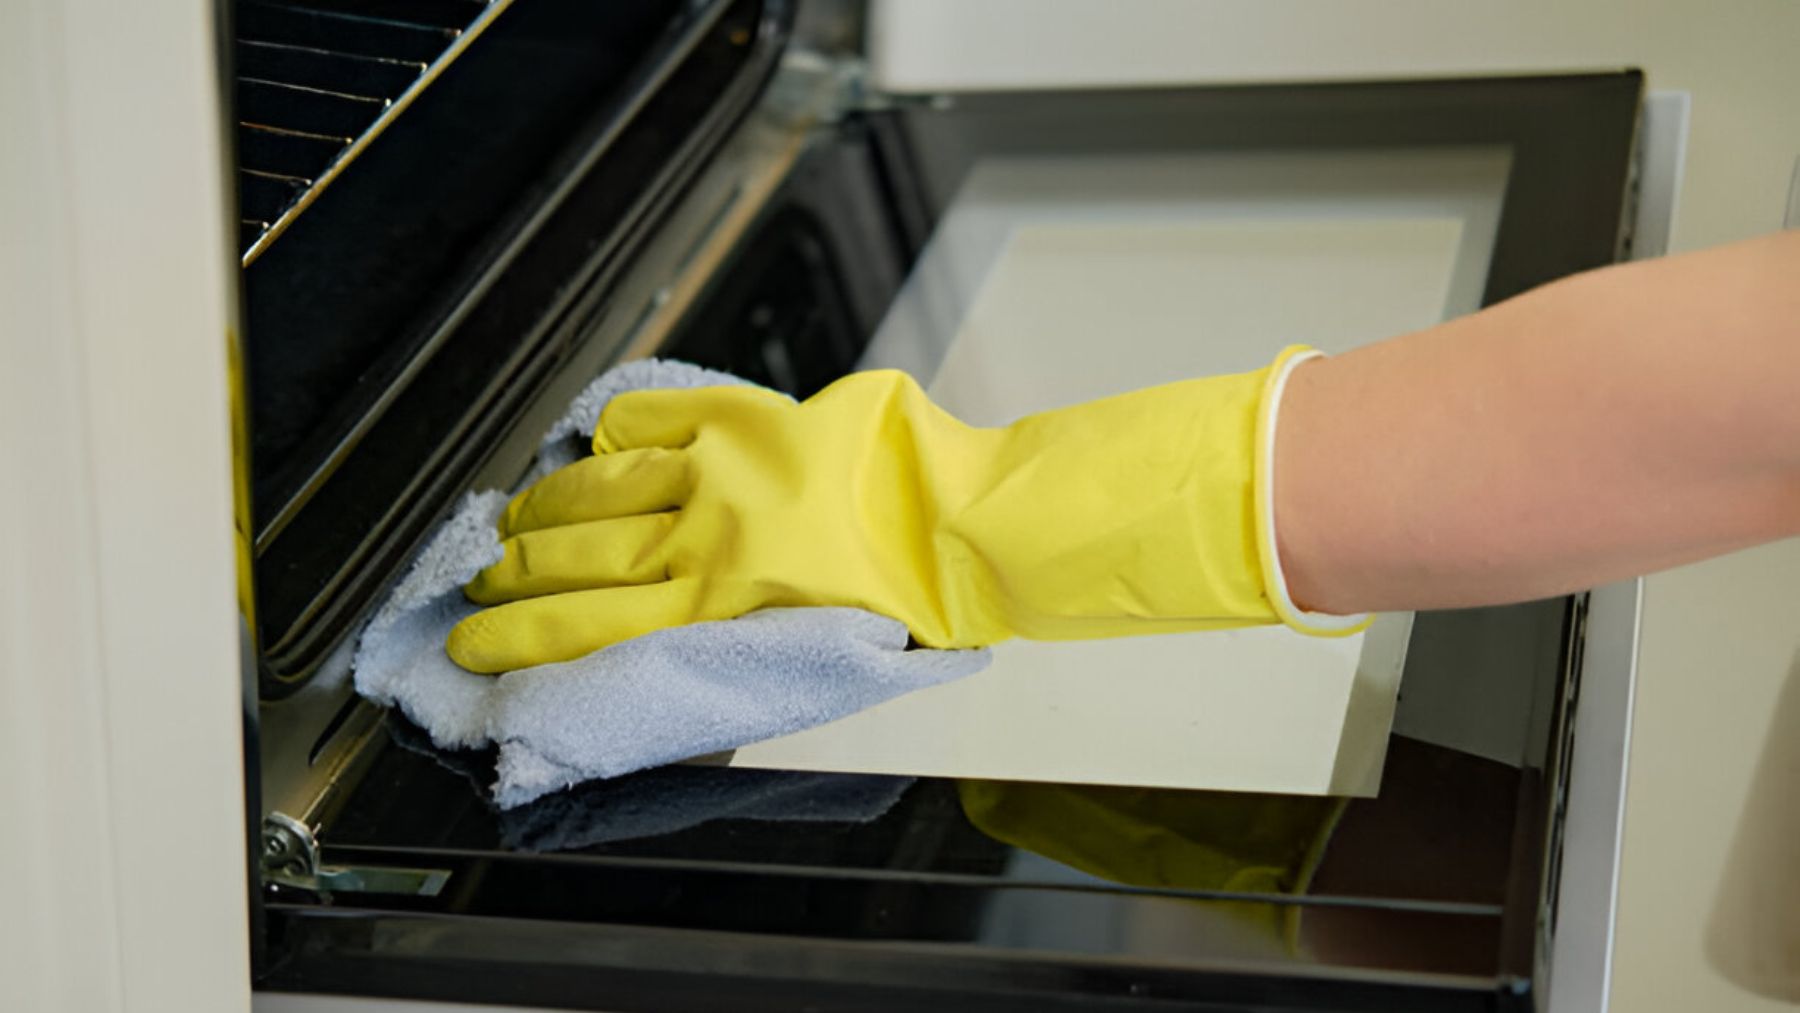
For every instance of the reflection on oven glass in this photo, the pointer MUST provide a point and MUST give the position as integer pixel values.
(1413, 880)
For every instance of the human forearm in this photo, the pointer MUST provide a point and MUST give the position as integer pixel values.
(1611, 424)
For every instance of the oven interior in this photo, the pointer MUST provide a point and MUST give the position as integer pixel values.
(536, 190)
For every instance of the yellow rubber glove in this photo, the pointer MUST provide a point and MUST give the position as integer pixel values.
(1142, 513)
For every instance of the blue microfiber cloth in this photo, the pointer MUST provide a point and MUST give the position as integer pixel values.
(667, 696)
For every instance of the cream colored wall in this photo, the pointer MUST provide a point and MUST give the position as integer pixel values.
(1709, 913)
(121, 800)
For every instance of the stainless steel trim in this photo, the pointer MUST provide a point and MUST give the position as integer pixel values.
(1593, 831)
(307, 764)
(1662, 158)
(1582, 940)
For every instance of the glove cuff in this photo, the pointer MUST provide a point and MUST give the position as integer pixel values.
(1319, 624)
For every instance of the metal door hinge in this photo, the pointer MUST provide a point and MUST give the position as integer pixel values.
(290, 858)
(815, 87)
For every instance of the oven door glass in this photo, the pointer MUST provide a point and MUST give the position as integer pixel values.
(1236, 220)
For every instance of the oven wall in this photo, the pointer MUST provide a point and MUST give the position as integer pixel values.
(121, 792)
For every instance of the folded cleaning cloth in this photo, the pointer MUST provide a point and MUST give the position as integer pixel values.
(663, 697)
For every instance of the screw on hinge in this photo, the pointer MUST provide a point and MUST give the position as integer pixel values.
(288, 846)
(291, 858)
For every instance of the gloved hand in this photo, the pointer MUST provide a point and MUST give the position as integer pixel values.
(1143, 513)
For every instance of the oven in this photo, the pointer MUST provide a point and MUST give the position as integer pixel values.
(455, 213)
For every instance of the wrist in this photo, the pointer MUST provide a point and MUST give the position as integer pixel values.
(1287, 575)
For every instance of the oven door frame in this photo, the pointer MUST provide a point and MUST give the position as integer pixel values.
(1565, 209)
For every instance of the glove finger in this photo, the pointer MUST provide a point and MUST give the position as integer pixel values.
(538, 631)
(596, 488)
(576, 557)
(671, 417)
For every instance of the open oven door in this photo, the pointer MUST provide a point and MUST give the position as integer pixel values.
(834, 229)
